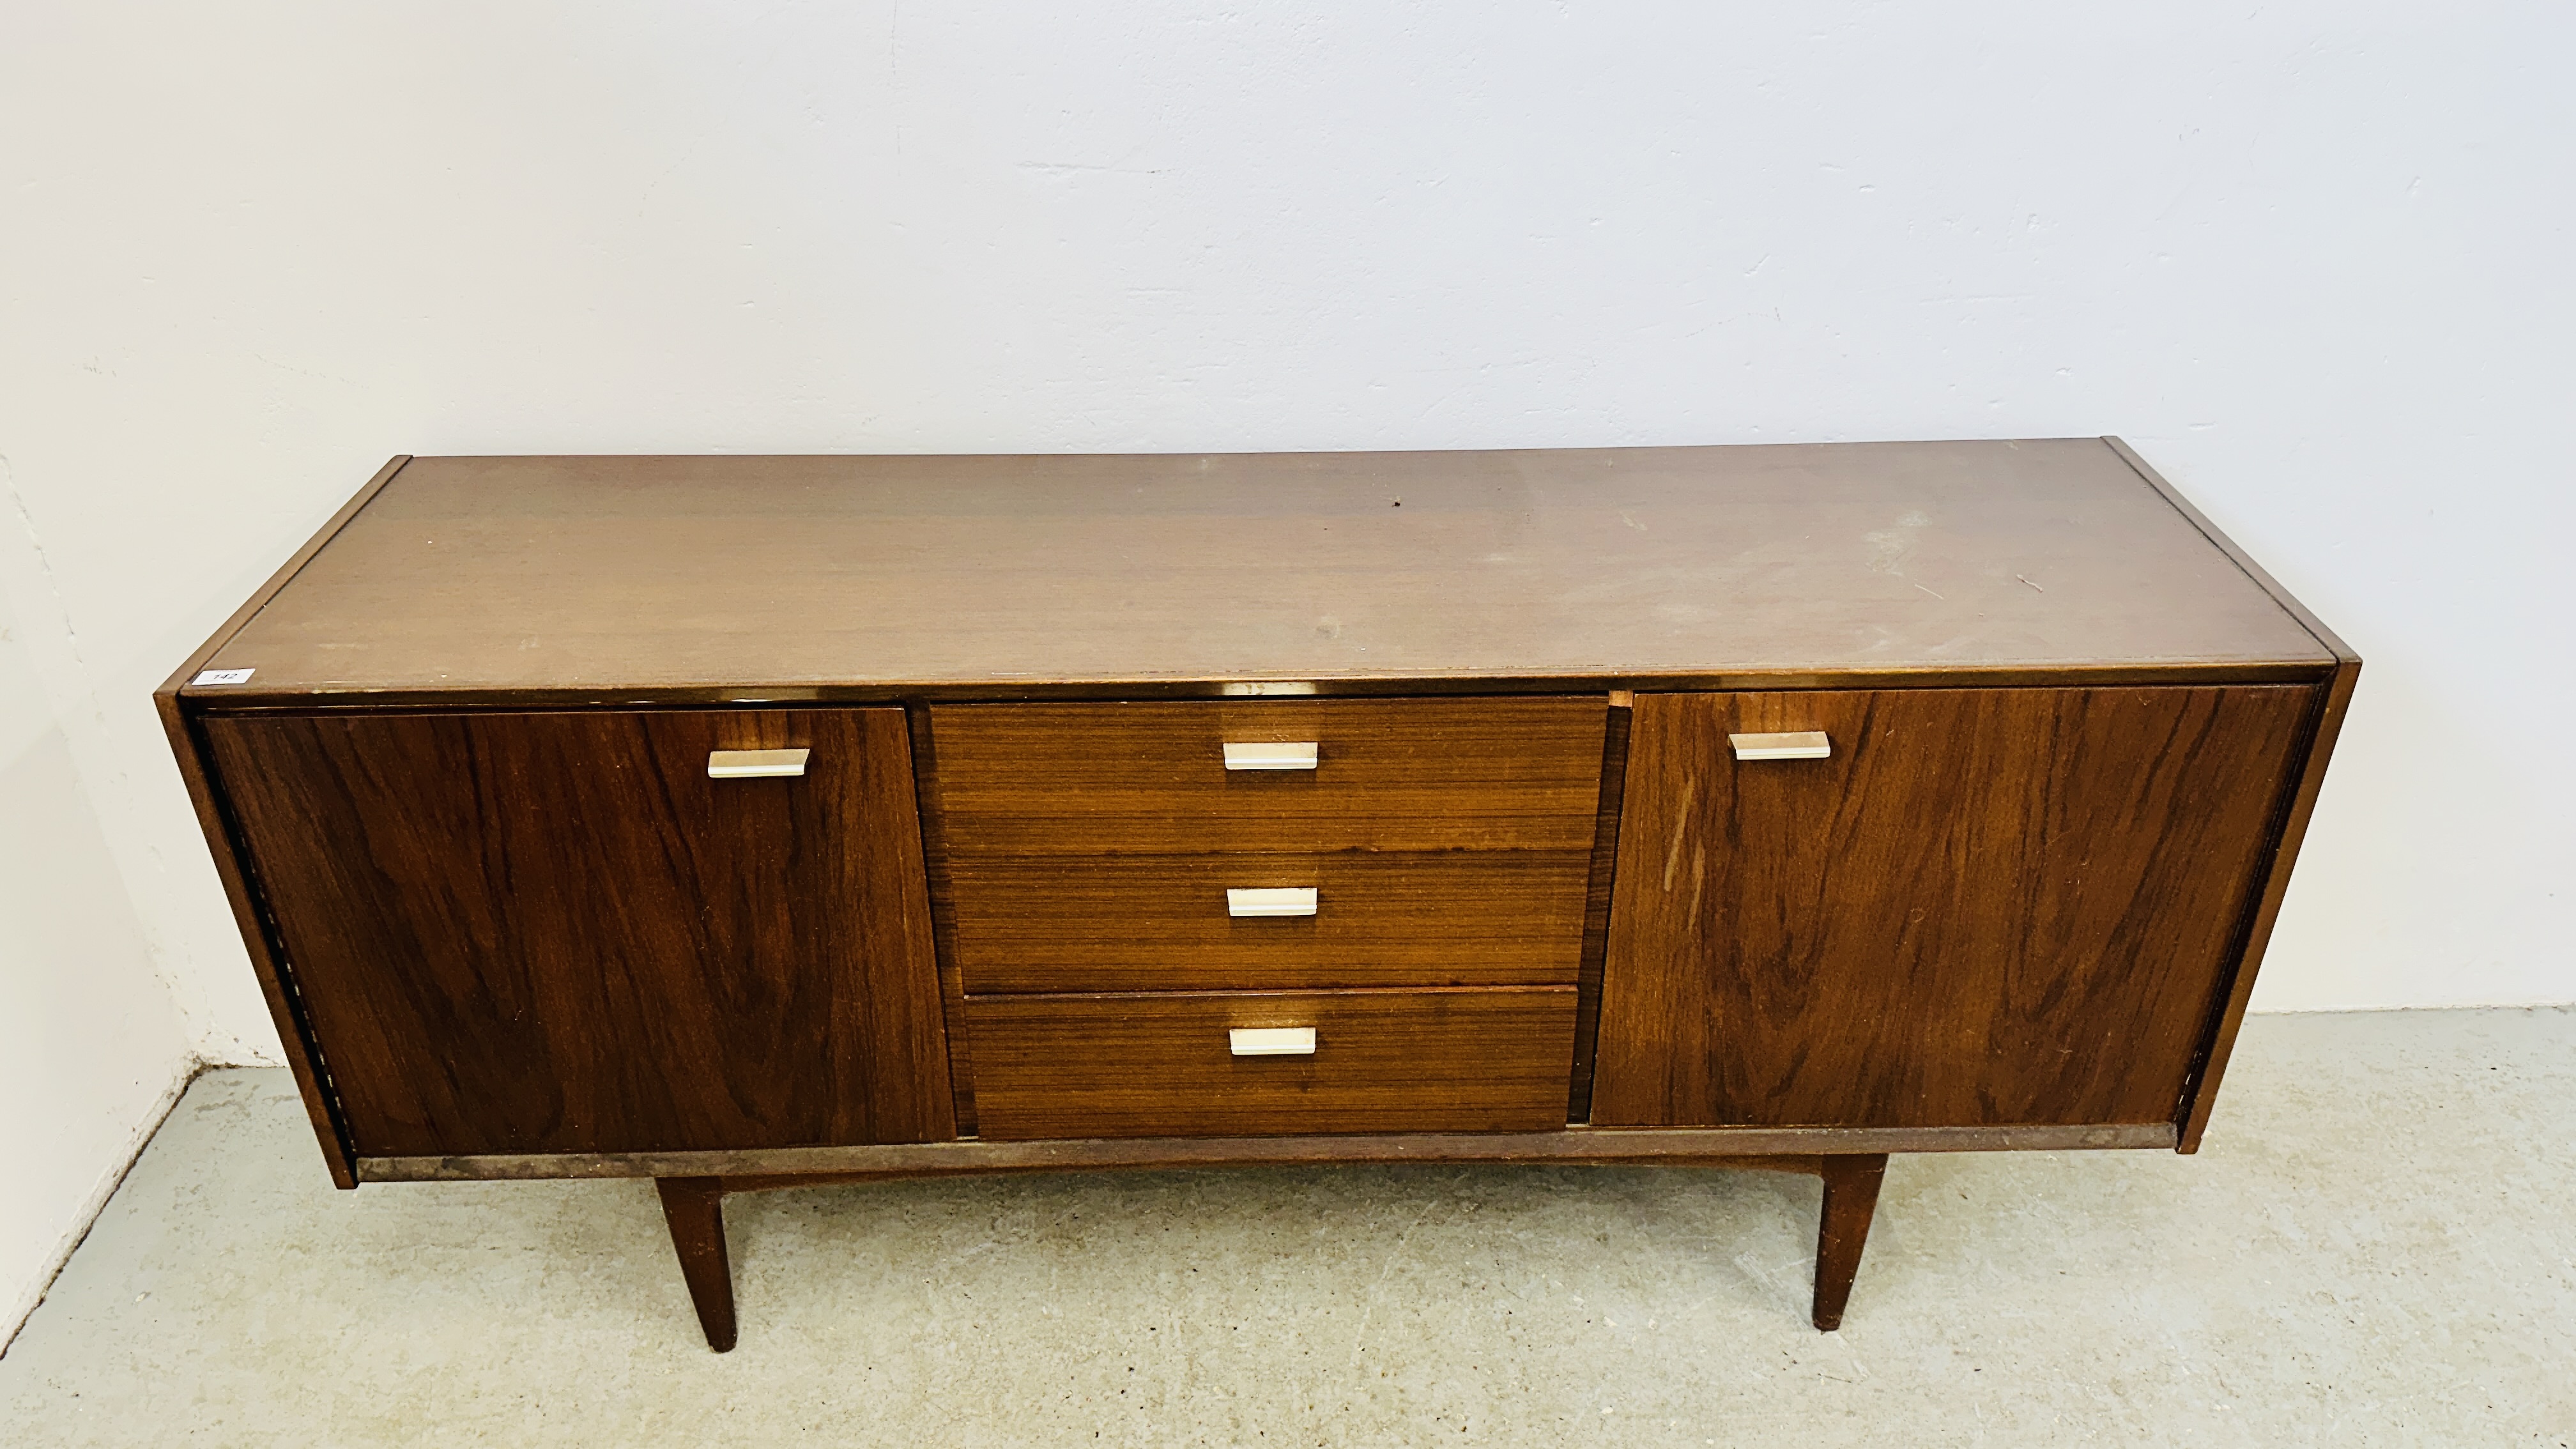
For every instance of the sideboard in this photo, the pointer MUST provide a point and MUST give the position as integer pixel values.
(750, 822)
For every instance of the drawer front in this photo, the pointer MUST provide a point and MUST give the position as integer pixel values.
(1165, 1066)
(1146, 923)
(1388, 774)
(601, 931)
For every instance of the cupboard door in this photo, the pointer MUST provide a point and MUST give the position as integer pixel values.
(1983, 907)
(535, 933)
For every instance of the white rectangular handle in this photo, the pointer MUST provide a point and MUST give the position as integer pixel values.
(754, 764)
(1270, 757)
(1291, 901)
(1272, 1041)
(1798, 745)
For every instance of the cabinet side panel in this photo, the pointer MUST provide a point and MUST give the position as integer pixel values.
(554, 933)
(1986, 907)
(293, 1033)
(2228, 1014)
(894, 1023)
(1598, 894)
(943, 920)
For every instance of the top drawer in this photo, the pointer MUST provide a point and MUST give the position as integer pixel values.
(1389, 774)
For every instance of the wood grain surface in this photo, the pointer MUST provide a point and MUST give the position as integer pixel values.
(2022, 913)
(1596, 906)
(1391, 775)
(1159, 923)
(1161, 1066)
(616, 579)
(1989, 906)
(943, 920)
(1573, 1147)
(2200, 1093)
(553, 933)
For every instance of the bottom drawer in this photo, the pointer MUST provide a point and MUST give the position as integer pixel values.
(1165, 1065)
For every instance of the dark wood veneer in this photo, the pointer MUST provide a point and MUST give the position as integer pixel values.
(943, 920)
(1392, 775)
(1596, 906)
(1159, 1065)
(553, 932)
(509, 928)
(1989, 906)
(2200, 1093)
(1159, 923)
(2333, 700)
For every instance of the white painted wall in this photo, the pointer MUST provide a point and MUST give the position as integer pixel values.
(91, 1049)
(2310, 257)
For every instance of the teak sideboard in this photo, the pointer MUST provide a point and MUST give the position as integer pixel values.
(752, 822)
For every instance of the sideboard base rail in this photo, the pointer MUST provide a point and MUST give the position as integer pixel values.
(694, 1208)
(1603, 1146)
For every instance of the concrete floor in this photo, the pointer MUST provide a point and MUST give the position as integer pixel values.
(2375, 1247)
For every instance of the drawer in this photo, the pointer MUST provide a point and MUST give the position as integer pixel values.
(1165, 1066)
(1148, 923)
(1388, 774)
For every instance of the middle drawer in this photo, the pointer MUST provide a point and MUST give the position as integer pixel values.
(1163, 923)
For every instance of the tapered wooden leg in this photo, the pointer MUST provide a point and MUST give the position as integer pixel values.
(1851, 1195)
(694, 1207)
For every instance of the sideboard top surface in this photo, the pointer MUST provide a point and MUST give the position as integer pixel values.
(829, 577)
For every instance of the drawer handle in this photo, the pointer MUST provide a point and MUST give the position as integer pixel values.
(1272, 1041)
(1798, 745)
(754, 764)
(1289, 901)
(1270, 757)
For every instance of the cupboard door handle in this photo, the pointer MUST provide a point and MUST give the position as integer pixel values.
(1291, 901)
(1797, 745)
(754, 764)
(1270, 757)
(1272, 1041)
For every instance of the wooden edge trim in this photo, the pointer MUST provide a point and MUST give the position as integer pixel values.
(285, 571)
(2201, 1095)
(2332, 642)
(1811, 1166)
(1598, 893)
(298, 699)
(1626, 1146)
(943, 915)
(303, 1057)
